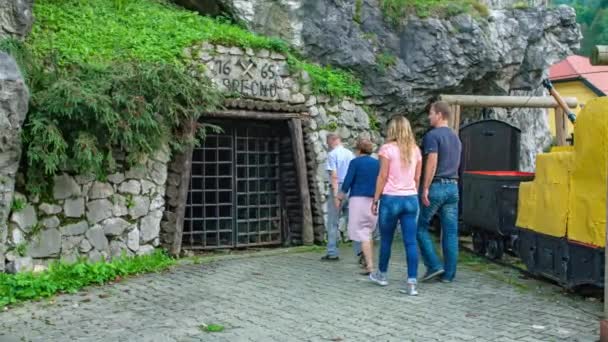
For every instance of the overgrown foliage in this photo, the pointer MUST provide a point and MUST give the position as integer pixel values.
(397, 10)
(100, 31)
(111, 75)
(69, 278)
(81, 113)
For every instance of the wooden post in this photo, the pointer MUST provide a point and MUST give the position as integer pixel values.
(560, 127)
(184, 186)
(456, 114)
(297, 140)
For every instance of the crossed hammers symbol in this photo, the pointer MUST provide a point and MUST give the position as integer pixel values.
(247, 68)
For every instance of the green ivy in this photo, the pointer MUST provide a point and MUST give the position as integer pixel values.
(69, 278)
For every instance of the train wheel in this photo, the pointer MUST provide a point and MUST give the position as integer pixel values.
(479, 243)
(495, 248)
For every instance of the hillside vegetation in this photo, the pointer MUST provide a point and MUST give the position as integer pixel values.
(110, 74)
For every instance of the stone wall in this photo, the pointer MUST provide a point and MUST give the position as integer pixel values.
(85, 217)
(265, 76)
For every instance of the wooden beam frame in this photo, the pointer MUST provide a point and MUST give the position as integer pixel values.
(299, 155)
(184, 185)
(506, 101)
(246, 114)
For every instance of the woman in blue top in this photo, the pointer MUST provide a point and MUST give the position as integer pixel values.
(360, 184)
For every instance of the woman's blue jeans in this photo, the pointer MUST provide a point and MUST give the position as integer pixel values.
(405, 210)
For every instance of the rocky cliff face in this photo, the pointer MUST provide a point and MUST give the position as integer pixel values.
(13, 108)
(405, 66)
(15, 18)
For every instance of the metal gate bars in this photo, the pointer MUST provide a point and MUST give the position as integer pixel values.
(234, 195)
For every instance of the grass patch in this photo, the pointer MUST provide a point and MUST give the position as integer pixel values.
(100, 32)
(69, 278)
(385, 60)
(18, 204)
(396, 10)
(212, 327)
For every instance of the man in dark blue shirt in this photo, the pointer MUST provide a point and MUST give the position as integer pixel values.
(441, 148)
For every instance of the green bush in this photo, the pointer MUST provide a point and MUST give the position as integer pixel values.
(69, 278)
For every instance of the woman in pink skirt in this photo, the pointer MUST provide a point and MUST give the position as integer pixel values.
(360, 184)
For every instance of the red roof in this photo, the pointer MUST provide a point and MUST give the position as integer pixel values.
(579, 67)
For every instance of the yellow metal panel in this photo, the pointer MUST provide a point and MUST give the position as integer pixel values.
(526, 205)
(587, 216)
(570, 89)
(543, 203)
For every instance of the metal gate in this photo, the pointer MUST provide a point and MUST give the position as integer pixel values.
(234, 195)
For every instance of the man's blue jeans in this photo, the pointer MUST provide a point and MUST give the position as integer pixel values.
(444, 200)
(403, 209)
(333, 221)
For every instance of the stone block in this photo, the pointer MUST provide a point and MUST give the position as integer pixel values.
(158, 173)
(25, 218)
(97, 238)
(74, 229)
(100, 190)
(99, 210)
(114, 226)
(71, 244)
(119, 207)
(157, 202)
(85, 246)
(20, 264)
(130, 187)
(117, 248)
(116, 178)
(49, 209)
(65, 187)
(133, 240)
(46, 244)
(149, 226)
(74, 207)
(51, 222)
(147, 186)
(140, 207)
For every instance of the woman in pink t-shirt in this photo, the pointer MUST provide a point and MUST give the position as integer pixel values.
(396, 190)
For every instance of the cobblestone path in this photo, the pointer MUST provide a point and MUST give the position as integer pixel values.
(295, 297)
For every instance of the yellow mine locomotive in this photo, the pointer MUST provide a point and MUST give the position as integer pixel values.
(554, 219)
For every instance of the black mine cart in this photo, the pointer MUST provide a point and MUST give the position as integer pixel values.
(490, 209)
(487, 145)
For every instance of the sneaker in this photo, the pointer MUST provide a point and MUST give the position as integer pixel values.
(378, 278)
(410, 289)
(443, 280)
(330, 258)
(431, 275)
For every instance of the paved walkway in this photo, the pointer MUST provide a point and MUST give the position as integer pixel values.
(295, 297)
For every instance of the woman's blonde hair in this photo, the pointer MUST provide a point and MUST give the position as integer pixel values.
(400, 131)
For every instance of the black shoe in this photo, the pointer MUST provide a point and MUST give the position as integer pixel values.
(330, 258)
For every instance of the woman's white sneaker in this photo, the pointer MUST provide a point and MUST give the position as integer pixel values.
(378, 278)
